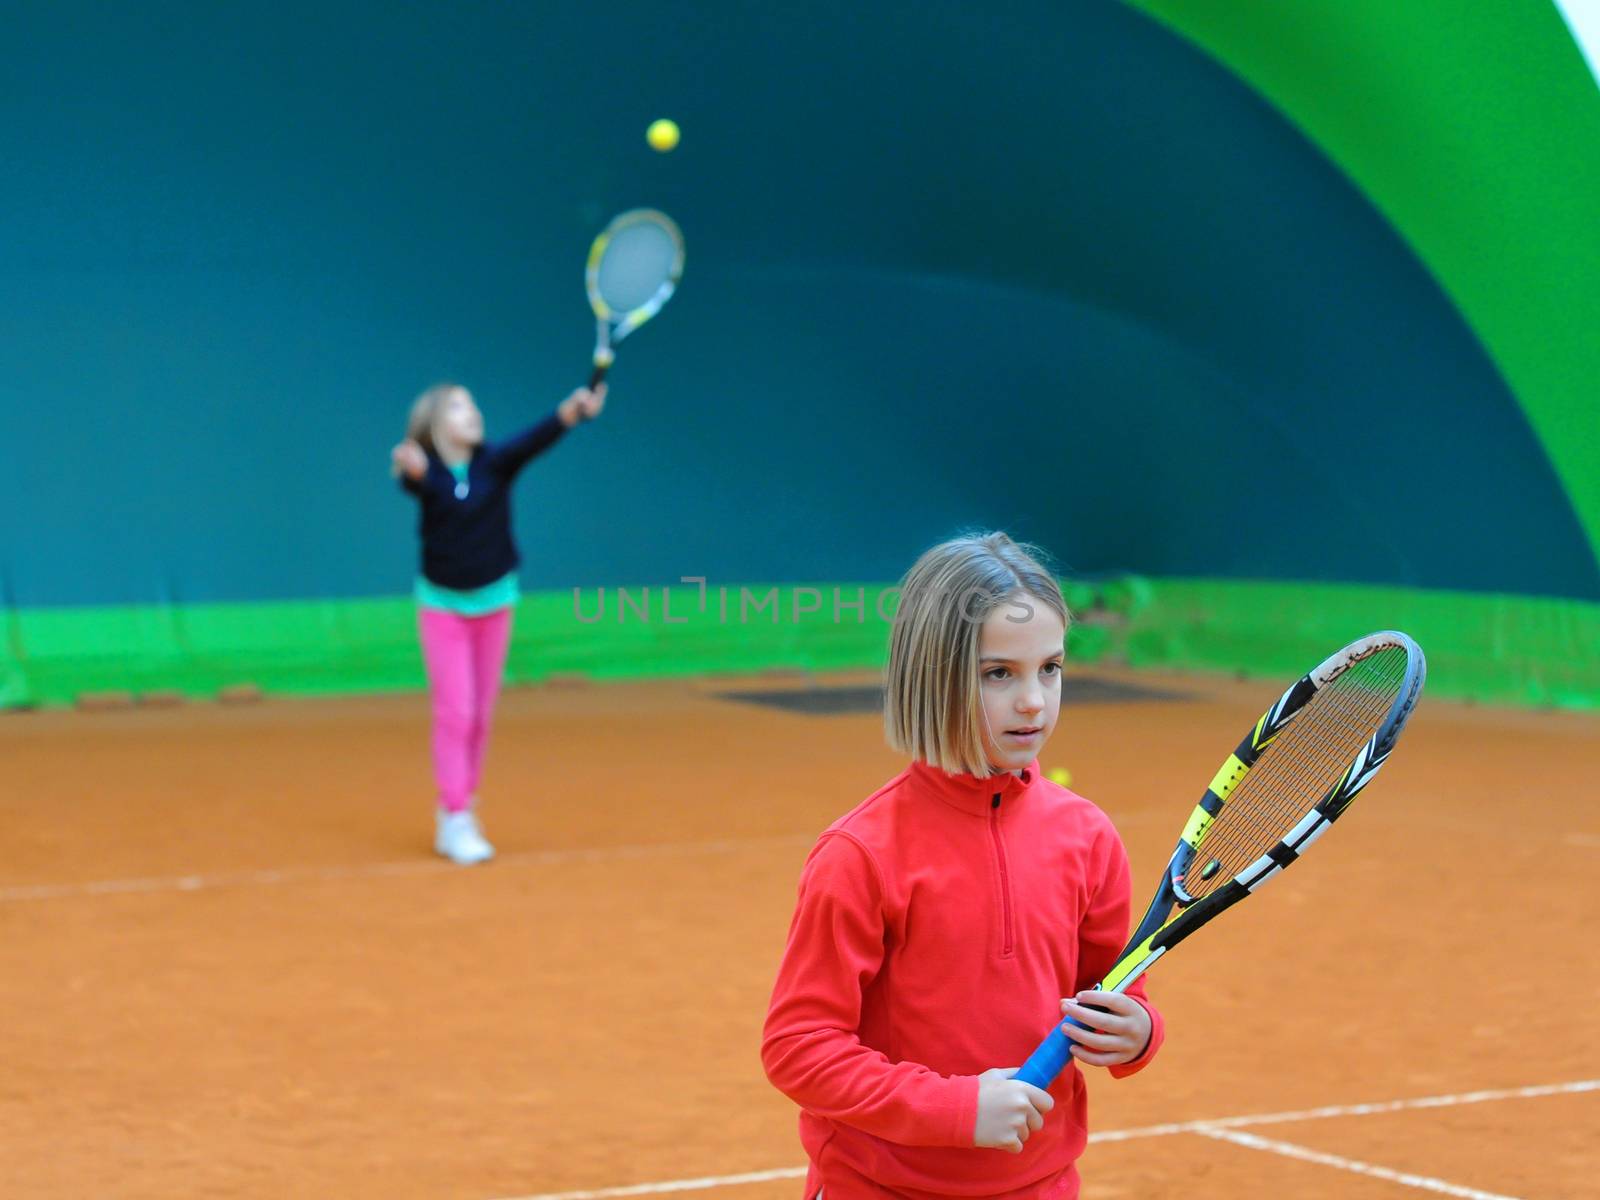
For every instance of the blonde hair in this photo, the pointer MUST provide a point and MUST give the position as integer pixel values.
(425, 411)
(932, 709)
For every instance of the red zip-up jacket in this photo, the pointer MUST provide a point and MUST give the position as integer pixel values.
(939, 925)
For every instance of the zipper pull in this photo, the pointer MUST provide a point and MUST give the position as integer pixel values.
(995, 803)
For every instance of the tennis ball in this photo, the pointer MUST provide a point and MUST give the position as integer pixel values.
(1059, 775)
(662, 135)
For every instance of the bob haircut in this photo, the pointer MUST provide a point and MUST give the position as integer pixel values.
(425, 413)
(932, 709)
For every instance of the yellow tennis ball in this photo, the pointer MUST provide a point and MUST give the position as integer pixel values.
(662, 135)
(1059, 775)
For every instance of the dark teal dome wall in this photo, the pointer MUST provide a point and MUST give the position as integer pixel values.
(1052, 270)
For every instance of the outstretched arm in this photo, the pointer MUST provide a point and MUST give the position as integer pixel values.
(512, 455)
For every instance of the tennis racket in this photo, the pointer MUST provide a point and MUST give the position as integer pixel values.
(634, 267)
(1291, 778)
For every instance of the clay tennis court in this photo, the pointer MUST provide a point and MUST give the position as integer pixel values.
(230, 965)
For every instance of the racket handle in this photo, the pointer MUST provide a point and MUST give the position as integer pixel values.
(604, 356)
(597, 377)
(1050, 1059)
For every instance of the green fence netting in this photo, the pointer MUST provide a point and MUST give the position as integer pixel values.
(1494, 648)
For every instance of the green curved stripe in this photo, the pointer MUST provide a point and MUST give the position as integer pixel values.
(1475, 129)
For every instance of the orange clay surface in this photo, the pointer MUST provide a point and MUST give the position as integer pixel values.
(231, 967)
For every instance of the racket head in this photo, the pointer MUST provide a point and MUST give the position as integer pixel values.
(634, 267)
(1297, 771)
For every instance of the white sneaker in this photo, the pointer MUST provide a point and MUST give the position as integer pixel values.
(459, 838)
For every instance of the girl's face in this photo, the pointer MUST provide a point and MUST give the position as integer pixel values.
(1020, 649)
(458, 420)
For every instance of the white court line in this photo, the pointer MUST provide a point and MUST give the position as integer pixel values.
(1290, 1150)
(1211, 1128)
(419, 866)
(1350, 1110)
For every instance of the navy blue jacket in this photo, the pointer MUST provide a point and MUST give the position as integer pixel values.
(466, 529)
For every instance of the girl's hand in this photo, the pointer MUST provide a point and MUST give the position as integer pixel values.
(582, 405)
(1008, 1110)
(1117, 1035)
(408, 459)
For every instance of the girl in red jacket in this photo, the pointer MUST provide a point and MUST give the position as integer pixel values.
(947, 920)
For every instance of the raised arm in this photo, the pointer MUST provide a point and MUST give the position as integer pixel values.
(510, 456)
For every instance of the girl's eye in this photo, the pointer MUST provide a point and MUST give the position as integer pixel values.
(996, 673)
(1052, 668)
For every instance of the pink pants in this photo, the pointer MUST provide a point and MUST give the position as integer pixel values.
(465, 657)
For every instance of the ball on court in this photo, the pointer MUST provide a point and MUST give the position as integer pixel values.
(662, 135)
(1059, 775)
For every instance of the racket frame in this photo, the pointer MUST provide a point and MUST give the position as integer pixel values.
(612, 326)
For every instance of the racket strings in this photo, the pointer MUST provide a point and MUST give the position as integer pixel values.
(1298, 768)
(637, 263)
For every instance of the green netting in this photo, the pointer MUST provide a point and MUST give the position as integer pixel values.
(52, 656)
(1510, 649)
(1500, 649)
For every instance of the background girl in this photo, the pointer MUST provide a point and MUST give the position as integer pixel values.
(467, 588)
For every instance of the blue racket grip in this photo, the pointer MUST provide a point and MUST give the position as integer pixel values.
(1050, 1059)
